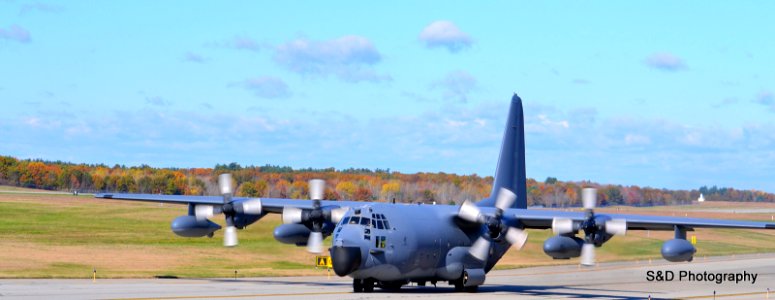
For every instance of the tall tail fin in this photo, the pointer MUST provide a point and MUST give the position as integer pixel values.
(510, 173)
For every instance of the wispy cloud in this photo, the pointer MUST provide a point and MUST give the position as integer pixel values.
(767, 99)
(244, 43)
(40, 7)
(268, 87)
(351, 58)
(457, 85)
(157, 101)
(665, 61)
(725, 102)
(575, 144)
(581, 81)
(445, 34)
(15, 33)
(193, 57)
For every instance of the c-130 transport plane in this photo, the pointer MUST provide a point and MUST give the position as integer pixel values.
(389, 245)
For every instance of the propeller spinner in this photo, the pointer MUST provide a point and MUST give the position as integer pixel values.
(593, 230)
(315, 217)
(229, 209)
(496, 227)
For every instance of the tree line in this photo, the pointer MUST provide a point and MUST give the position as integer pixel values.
(351, 184)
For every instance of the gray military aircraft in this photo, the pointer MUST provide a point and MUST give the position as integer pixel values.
(389, 245)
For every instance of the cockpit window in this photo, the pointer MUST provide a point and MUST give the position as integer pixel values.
(380, 225)
(354, 220)
(365, 221)
(387, 225)
(346, 220)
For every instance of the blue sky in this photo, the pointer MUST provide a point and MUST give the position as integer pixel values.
(662, 94)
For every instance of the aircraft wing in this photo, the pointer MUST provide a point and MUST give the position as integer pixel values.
(272, 205)
(542, 219)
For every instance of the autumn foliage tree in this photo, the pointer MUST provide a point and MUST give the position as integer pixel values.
(349, 184)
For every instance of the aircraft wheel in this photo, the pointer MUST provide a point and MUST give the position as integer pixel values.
(459, 287)
(392, 286)
(421, 283)
(357, 286)
(368, 285)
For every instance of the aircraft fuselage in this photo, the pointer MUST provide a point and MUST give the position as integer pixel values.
(412, 243)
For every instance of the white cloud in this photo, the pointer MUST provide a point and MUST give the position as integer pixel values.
(457, 85)
(636, 139)
(268, 87)
(767, 99)
(665, 61)
(157, 101)
(350, 57)
(41, 7)
(193, 57)
(15, 33)
(445, 34)
(461, 139)
(244, 43)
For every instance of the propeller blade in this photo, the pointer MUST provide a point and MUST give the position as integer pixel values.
(505, 199)
(203, 212)
(230, 236)
(516, 237)
(589, 198)
(225, 183)
(480, 249)
(337, 214)
(616, 227)
(469, 212)
(317, 188)
(291, 215)
(588, 254)
(315, 242)
(562, 226)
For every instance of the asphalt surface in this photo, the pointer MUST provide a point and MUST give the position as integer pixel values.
(623, 280)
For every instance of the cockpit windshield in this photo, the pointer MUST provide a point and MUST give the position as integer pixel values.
(377, 221)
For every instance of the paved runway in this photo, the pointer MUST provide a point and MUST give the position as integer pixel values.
(626, 280)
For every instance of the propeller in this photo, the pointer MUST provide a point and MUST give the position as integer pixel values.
(497, 229)
(229, 209)
(316, 217)
(596, 231)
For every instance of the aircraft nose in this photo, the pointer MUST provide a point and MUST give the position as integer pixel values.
(345, 259)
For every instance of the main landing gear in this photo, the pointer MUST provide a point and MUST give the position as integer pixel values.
(367, 285)
(363, 285)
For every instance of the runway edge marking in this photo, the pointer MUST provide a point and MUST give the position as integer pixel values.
(237, 296)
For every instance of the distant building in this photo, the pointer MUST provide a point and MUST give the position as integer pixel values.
(701, 199)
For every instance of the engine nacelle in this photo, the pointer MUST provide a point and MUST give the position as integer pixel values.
(292, 234)
(189, 226)
(563, 247)
(677, 250)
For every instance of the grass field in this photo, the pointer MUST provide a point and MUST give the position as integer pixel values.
(64, 236)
